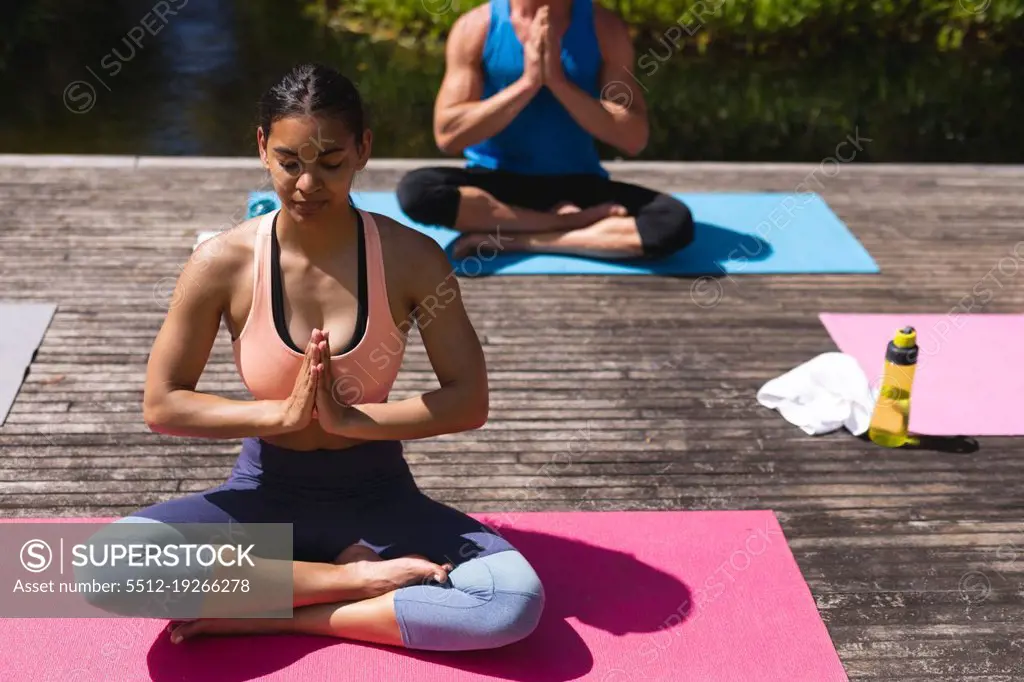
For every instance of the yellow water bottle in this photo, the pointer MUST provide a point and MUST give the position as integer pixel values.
(891, 417)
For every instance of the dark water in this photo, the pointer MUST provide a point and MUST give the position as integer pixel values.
(119, 78)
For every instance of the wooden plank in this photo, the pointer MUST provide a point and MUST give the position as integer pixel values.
(606, 392)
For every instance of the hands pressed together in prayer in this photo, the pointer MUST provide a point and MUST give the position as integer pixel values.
(314, 393)
(543, 53)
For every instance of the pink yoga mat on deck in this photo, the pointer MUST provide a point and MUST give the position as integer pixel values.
(970, 368)
(632, 596)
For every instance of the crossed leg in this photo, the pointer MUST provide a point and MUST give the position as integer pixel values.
(582, 215)
(444, 582)
(368, 620)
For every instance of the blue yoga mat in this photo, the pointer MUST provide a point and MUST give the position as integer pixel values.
(736, 233)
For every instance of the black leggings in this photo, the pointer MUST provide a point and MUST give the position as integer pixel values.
(430, 196)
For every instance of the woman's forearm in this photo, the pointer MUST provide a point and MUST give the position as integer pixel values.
(449, 409)
(201, 415)
(621, 128)
(463, 125)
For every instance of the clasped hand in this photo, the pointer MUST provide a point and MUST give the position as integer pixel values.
(543, 52)
(313, 394)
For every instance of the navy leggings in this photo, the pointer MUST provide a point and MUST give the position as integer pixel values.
(366, 494)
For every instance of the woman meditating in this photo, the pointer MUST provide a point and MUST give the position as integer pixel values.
(318, 297)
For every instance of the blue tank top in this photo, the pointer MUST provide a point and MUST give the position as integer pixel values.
(543, 139)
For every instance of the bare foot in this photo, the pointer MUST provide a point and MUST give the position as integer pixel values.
(384, 576)
(229, 626)
(469, 244)
(175, 623)
(588, 216)
(377, 575)
(381, 577)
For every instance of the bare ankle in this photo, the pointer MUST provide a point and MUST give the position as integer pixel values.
(361, 580)
(569, 221)
(335, 583)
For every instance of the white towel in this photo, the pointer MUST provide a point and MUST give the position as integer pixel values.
(822, 395)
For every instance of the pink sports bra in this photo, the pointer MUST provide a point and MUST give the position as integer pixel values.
(269, 362)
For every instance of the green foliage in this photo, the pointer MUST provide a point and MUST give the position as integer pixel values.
(914, 103)
(750, 25)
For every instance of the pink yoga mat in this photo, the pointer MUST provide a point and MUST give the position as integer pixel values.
(970, 368)
(632, 596)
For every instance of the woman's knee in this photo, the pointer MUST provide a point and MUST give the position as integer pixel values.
(519, 597)
(666, 225)
(428, 197)
(514, 617)
(493, 601)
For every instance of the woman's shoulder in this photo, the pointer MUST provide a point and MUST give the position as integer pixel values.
(610, 27)
(404, 241)
(412, 254)
(219, 258)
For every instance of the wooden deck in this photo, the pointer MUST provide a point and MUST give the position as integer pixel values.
(916, 559)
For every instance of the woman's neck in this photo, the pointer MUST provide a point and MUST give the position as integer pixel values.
(321, 238)
(527, 8)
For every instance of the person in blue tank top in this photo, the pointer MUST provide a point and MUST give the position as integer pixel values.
(523, 100)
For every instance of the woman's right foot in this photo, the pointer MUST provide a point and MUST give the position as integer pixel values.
(470, 243)
(381, 577)
(588, 216)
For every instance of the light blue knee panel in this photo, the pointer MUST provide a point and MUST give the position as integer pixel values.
(487, 602)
